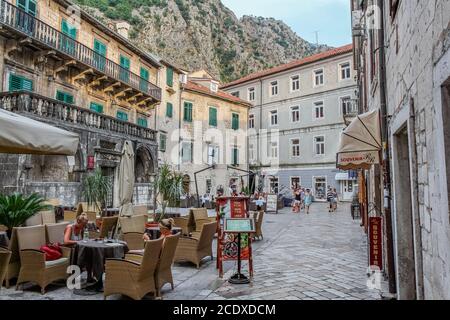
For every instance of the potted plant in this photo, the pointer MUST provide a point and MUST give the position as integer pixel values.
(16, 209)
(167, 191)
(95, 190)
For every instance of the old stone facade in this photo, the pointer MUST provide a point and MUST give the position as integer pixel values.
(416, 61)
(61, 66)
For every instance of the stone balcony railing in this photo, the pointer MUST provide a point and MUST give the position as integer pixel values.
(26, 25)
(54, 111)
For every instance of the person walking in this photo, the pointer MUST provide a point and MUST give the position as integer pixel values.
(335, 200)
(330, 199)
(308, 200)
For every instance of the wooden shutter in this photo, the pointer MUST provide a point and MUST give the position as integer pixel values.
(96, 107)
(143, 122)
(169, 110)
(235, 121)
(122, 116)
(213, 117)
(125, 62)
(188, 111)
(170, 77)
(17, 83)
(64, 97)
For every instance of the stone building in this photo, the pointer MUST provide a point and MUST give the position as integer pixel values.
(403, 61)
(299, 110)
(62, 66)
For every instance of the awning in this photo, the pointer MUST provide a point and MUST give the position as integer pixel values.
(342, 176)
(360, 143)
(22, 135)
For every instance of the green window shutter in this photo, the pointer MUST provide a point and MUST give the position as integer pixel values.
(162, 142)
(100, 47)
(213, 117)
(125, 62)
(169, 77)
(29, 6)
(145, 76)
(68, 30)
(235, 156)
(169, 110)
(187, 112)
(17, 83)
(22, 4)
(122, 115)
(64, 97)
(142, 122)
(99, 57)
(96, 107)
(235, 121)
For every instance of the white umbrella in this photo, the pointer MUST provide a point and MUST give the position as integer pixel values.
(126, 180)
(22, 135)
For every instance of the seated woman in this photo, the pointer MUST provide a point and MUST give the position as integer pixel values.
(165, 226)
(74, 232)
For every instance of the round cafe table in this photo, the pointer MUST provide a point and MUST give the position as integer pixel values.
(3, 239)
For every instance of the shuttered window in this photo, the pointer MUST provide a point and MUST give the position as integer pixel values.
(96, 107)
(29, 6)
(235, 156)
(187, 112)
(17, 83)
(142, 122)
(145, 75)
(162, 142)
(124, 71)
(235, 121)
(213, 117)
(169, 110)
(100, 54)
(67, 43)
(64, 97)
(169, 77)
(122, 115)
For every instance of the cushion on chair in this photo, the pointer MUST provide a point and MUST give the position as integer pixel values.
(54, 263)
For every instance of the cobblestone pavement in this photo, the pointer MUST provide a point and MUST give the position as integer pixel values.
(320, 256)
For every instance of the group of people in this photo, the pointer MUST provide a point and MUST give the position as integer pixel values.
(302, 199)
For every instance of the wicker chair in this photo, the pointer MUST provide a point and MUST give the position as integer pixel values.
(140, 210)
(183, 223)
(55, 232)
(5, 256)
(135, 241)
(12, 271)
(48, 217)
(33, 267)
(35, 220)
(134, 223)
(69, 215)
(163, 272)
(131, 278)
(258, 218)
(201, 218)
(108, 224)
(193, 249)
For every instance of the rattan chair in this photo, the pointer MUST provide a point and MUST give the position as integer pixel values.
(163, 272)
(183, 223)
(48, 217)
(70, 216)
(33, 267)
(258, 218)
(135, 223)
(5, 256)
(13, 268)
(131, 278)
(135, 241)
(201, 218)
(108, 224)
(140, 210)
(193, 249)
(35, 220)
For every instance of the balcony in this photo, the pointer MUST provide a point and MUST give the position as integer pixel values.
(55, 112)
(94, 69)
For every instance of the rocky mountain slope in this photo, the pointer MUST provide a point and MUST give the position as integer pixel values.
(196, 34)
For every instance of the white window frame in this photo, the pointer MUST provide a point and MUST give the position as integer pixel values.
(315, 85)
(292, 114)
(292, 83)
(251, 120)
(272, 148)
(214, 158)
(270, 118)
(251, 152)
(340, 70)
(277, 179)
(291, 148)
(313, 183)
(271, 86)
(295, 177)
(315, 105)
(315, 148)
(236, 92)
(341, 99)
(192, 151)
(251, 91)
(214, 87)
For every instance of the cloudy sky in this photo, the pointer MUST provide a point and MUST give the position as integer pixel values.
(331, 18)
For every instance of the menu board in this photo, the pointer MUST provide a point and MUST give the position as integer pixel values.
(239, 225)
(272, 203)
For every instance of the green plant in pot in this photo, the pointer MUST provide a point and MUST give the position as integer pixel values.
(95, 190)
(16, 209)
(167, 190)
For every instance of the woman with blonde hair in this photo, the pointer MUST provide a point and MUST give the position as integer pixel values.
(74, 232)
(165, 226)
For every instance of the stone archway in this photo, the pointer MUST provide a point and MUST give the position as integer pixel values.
(144, 165)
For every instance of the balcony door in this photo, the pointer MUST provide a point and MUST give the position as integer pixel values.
(25, 16)
(67, 42)
(100, 55)
(124, 70)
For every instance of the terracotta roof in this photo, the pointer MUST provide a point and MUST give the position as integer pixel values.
(191, 86)
(293, 64)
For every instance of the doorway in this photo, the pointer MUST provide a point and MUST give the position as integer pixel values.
(348, 187)
(320, 187)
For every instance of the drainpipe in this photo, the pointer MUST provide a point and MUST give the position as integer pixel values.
(179, 126)
(258, 134)
(387, 187)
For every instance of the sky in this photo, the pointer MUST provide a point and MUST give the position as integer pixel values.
(331, 18)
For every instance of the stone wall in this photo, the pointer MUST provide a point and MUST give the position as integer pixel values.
(67, 193)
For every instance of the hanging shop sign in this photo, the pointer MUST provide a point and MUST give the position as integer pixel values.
(375, 242)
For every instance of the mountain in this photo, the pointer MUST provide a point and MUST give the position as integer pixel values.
(197, 34)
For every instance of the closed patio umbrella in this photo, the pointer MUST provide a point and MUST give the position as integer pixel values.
(126, 180)
(22, 135)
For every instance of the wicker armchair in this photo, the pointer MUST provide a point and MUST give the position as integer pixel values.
(48, 217)
(131, 278)
(258, 217)
(163, 272)
(69, 215)
(33, 267)
(108, 224)
(134, 223)
(201, 218)
(5, 256)
(135, 241)
(55, 232)
(193, 249)
(13, 268)
(35, 220)
(140, 210)
(183, 223)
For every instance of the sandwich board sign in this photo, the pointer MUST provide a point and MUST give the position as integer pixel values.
(272, 203)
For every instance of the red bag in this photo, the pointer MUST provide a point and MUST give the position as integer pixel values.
(52, 252)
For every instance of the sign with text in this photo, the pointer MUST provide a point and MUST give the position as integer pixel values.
(375, 242)
(239, 225)
(272, 203)
(238, 208)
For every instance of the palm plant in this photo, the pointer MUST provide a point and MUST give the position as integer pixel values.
(167, 189)
(95, 189)
(16, 209)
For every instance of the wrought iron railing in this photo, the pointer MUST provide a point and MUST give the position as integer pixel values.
(28, 103)
(28, 25)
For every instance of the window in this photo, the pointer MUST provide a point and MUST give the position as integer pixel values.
(29, 6)
(26, 24)
(295, 182)
(214, 87)
(318, 110)
(100, 55)
(208, 186)
(234, 156)
(121, 115)
(318, 78)
(142, 122)
(251, 152)
(18, 83)
(295, 114)
(274, 88)
(186, 152)
(213, 117)
(67, 43)
(97, 107)
(145, 77)
(251, 121)
(235, 121)
(213, 155)
(295, 83)
(162, 142)
(124, 70)
(169, 110)
(295, 148)
(345, 71)
(235, 94)
(319, 143)
(273, 117)
(347, 106)
(187, 115)
(251, 94)
(273, 152)
(64, 97)
(273, 184)
(169, 77)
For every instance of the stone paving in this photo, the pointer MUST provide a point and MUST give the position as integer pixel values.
(320, 256)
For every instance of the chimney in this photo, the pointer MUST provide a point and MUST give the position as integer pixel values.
(123, 28)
